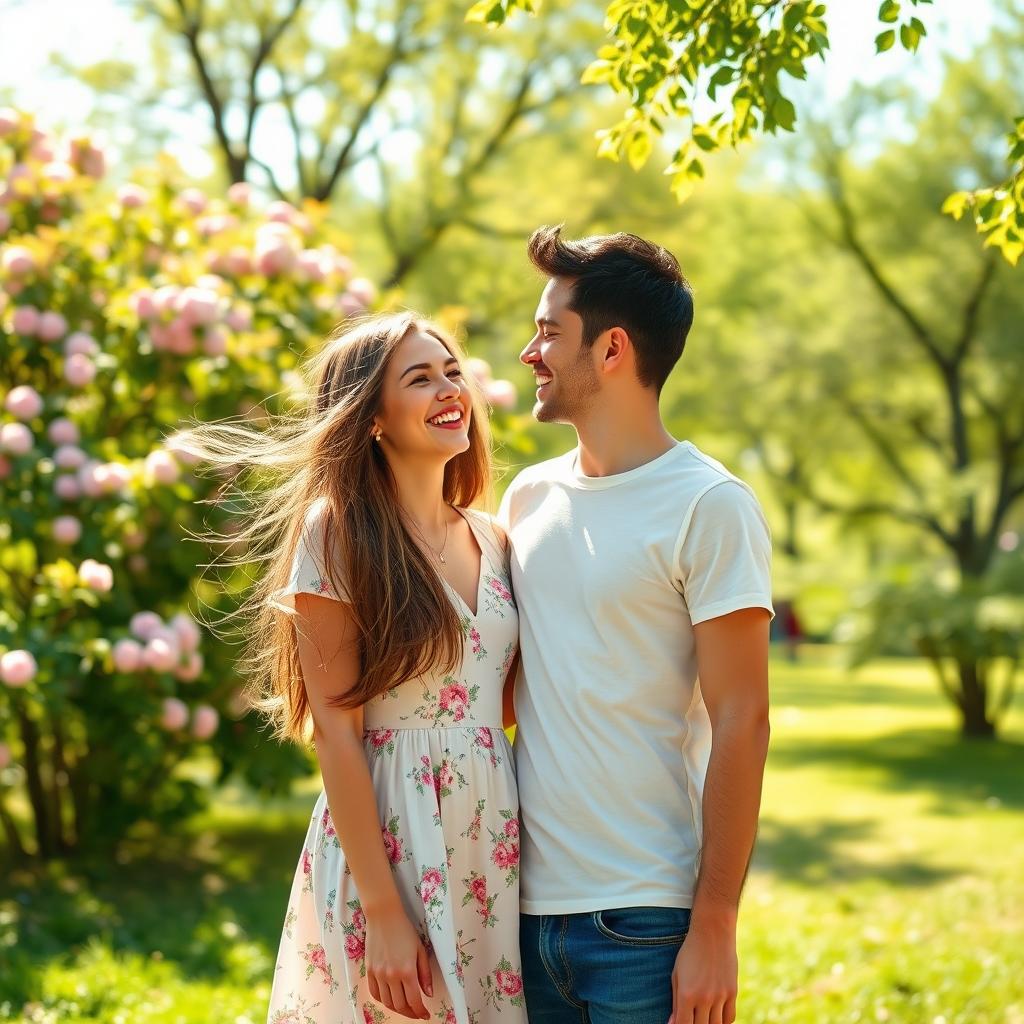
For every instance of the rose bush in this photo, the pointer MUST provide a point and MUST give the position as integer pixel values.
(122, 313)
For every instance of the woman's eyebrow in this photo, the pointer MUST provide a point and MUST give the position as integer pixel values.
(425, 366)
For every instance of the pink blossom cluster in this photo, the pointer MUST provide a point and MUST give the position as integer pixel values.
(499, 393)
(44, 173)
(159, 646)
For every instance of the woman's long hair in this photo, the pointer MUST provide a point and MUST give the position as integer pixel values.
(327, 458)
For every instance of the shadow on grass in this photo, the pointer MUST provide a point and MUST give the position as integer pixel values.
(959, 774)
(193, 900)
(811, 853)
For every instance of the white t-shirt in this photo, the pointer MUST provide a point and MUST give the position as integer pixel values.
(610, 575)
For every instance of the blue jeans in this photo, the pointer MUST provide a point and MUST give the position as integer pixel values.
(605, 967)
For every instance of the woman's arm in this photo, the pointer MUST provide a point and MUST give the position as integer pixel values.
(397, 963)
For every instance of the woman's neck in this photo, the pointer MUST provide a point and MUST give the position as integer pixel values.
(421, 495)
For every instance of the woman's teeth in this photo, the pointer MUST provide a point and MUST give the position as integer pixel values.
(445, 417)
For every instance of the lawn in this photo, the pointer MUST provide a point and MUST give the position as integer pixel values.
(888, 883)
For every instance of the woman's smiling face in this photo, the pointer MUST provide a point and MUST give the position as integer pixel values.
(425, 405)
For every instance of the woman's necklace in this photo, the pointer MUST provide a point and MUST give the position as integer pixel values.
(439, 555)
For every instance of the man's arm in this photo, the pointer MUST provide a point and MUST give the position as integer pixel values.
(732, 665)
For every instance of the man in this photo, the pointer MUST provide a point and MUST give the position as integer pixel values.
(639, 565)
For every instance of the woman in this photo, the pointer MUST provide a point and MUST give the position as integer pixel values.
(398, 635)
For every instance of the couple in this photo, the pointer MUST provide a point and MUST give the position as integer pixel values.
(613, 577)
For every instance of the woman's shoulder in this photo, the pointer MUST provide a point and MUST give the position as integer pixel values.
(487, 524)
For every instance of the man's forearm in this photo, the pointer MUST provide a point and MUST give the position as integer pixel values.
(732, 801)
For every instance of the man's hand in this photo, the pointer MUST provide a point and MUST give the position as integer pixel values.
(705, 978)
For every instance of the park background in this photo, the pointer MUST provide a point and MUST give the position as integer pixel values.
(857, 357)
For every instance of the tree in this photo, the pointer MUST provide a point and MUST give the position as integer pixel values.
(672, 59)
(303, 96)
(875, 368)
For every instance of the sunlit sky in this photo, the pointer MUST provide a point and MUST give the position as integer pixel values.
(86, 31)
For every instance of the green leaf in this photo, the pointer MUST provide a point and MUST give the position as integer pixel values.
(889, 11)
(956, 204)
(909, 37)
(884, 41)
(639, 149)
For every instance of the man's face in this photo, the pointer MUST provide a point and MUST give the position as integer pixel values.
(563, 367)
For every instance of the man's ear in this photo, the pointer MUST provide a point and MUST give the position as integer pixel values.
(616, 349)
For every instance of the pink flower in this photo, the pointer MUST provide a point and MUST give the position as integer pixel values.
(392, 846)
(174, 715)
(162, 467)
(160, 655)
(96, 576)
(240, 193)
(81, 342)
(127, 655)
(25, 320)
(145, 625)
(326, 824)
(17, 668)
(69, 456)
(66, 530)
(66, 488)
(355, 947)
(501, 394)
(485, 739)
(499, 588)
(367, 1015)
(505, 855)
(363, 290)
(62, 431)
(381, 737)
(132, 196)
(429, 884)
(509, 982)
(193, 200)
(318, 958)
(79, 370)
(17, 260)
(52, 327)
(454, 696)
(204, 722)
(215, 342)
(307, 862)
(512, 828)
(445, 774)
(358, 920)
(23, 402)
(186, 630)
(479, 370)
(16, 438)
(479, 889)
(192, 667)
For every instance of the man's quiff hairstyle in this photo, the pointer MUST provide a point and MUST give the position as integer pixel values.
(623, 281)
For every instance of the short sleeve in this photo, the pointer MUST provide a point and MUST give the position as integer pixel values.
(309, 572)
(723, 554)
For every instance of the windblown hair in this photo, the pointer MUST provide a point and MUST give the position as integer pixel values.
(623, 281)
(326, 457)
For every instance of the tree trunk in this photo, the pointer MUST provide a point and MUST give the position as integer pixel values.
(975, 721)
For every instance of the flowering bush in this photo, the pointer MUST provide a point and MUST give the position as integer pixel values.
(121, 314)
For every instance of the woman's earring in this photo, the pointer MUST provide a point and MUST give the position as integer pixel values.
(378, 435)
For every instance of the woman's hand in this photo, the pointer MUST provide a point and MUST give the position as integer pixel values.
(397, 964)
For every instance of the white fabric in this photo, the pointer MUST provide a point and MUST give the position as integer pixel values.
(610, 575)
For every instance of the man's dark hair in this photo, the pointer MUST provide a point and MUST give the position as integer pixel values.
(623, 281)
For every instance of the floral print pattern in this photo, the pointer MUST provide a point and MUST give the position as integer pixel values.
(442, 774)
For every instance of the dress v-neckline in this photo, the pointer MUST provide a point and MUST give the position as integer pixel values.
(479, 573)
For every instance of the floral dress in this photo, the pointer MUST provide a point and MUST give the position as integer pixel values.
(443, 775)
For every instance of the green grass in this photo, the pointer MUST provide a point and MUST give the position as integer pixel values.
(887, 886)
